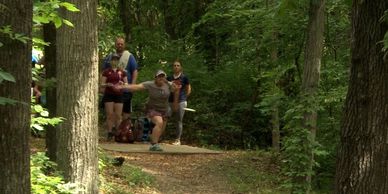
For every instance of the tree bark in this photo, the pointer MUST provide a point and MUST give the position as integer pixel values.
(362, 165)
(15, 119)
(125, 15)
(311, 71)
(169, 19)
(77, 67)
(49, 35)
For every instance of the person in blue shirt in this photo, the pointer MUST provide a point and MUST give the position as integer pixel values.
(178, 100)
(129, 64)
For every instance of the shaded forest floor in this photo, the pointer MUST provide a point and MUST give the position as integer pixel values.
(229, 172)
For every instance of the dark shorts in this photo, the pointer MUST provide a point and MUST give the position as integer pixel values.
(112, 98)
(127, 99)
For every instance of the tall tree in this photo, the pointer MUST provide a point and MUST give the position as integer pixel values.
(15, 119)
(362, 164)
(49, 35)
(311, 71)
(77, 67)
(125, 15)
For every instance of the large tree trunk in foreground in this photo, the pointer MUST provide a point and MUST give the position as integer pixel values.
(311, 71)
(362, 165)
(15, 58)
(77, 67)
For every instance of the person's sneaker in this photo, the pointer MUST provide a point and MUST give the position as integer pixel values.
(177, 142)
(156, 148)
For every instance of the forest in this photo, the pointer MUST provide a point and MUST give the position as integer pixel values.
(300, 85)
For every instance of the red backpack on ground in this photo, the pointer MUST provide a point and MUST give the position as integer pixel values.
(124, 133)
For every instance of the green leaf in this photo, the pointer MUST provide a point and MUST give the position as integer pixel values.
(57, 22)
(1, 44)
(38, 41)
(56, 120)
(44, 113)
(37, 127)
(4, 101)
(67, 22)
(69, 6)
(40, 20)
(38, 108)
(6, 76)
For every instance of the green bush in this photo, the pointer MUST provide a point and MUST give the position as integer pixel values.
(45, 178)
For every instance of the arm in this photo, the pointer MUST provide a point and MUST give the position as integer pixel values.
(134, 76)
(102, 84)
(132, 69)
(188, 90)
(133, 87)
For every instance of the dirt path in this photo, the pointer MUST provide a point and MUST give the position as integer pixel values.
(230, 172)
(189, 173)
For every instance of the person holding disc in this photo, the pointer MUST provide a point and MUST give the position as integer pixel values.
(178, 100)
(157, 105)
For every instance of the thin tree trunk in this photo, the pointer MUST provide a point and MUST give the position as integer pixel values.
(168, 19)
(362, 165)
(125, 16)
(275, 107)
(49, 35)
(15, 119)
(311, 71)
(77, 67)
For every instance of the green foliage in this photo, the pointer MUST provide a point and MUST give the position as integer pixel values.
(45, 178)
(5, 76)
(244, 58)
(7, 31)
(47, 11)
(40, 118)
(385, 40)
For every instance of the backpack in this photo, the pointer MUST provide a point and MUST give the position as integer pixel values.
(138, 130)
(124, 134)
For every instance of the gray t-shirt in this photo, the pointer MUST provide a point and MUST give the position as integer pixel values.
(158, 96)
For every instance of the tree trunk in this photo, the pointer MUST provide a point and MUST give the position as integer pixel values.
(77, 67)
(15, 119)
(275, 128)
(125, 15)
(49, 34)
(275, 106)
(169, 19)
(311, 71)
(362, 165)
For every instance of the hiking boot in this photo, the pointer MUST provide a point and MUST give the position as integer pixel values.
(156, 148)
(177, 142)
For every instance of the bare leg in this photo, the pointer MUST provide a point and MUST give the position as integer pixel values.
(109, 115)
(179, 119)
(157, 130)
(126, 115)
(118, 110)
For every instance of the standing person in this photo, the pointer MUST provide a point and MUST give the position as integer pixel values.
(113, 97)
(157, 105)
(128, 63)
(178, 100)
